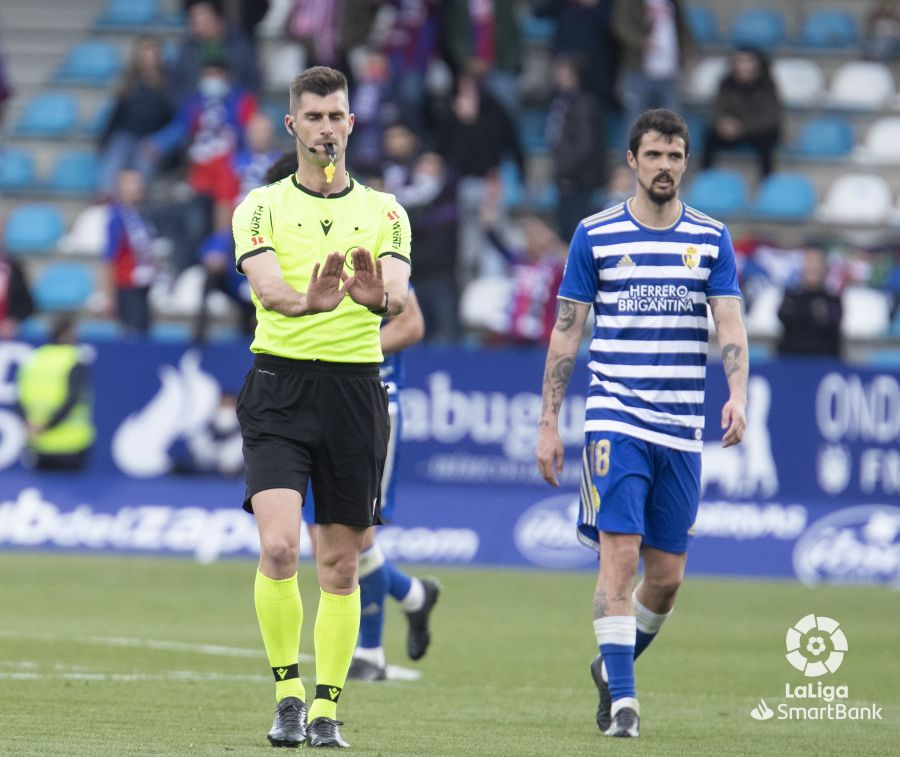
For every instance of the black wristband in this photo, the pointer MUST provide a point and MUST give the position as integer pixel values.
(384, 309)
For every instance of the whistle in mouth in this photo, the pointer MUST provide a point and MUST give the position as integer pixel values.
(329, 169)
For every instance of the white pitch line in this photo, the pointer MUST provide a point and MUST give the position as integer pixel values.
(176, 675)
(394, 672)
(156, 644)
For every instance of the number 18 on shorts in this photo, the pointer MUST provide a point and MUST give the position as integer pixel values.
(631, 486)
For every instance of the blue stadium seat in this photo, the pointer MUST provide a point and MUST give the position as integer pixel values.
(99, 331)
(829, 29)
(546, 200)
(94, 124)
(16, 169)
(886, 360)
(511, 182)
(703, 24)
(759, 353)
(534, 29)
(75, 172)
(51, 114)
(533, 131)
(171, 333)
(129, 14)
(63, 286)
(33, 228)
(697, 123)
(93, 63)
(719, 192)
(35, 329)
(616, 130)
(757, 27)
(824, 137)
(784, 197)
(224, 334)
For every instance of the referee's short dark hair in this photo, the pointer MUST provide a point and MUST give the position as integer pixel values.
(319, 80)
(666, 122)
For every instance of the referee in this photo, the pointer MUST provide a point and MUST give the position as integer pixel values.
(313, 408)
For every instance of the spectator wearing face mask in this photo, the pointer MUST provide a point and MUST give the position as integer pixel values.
(210, 124)
(211, 37)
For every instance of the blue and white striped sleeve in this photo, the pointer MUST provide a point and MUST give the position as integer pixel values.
(579, 282)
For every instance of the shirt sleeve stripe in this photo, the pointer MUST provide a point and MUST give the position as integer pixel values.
(394, 255)
(572, 299)
(250, 254)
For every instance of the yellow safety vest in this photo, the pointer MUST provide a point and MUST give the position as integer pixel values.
(43, 383)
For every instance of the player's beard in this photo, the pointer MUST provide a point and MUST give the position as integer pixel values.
(659, 196)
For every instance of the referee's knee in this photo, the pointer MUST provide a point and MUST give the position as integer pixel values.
(278, 554)
(338, 571)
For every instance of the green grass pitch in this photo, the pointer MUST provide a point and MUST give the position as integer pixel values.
(119, 656)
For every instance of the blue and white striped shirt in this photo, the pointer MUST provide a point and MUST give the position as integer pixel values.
(649, 289)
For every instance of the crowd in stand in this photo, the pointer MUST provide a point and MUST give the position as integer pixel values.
(435, 86)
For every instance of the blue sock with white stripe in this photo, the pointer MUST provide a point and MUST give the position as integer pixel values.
(399, 583)
(648, 624)
(616, 638)
(372, 591)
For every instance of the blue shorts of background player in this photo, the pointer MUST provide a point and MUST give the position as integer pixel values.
(379, 577)
(630, 486)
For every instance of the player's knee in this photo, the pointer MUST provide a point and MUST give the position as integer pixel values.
(664, 586)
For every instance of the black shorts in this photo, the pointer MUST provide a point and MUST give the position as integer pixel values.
(305, 420)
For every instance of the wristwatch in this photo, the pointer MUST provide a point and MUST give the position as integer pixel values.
(385, 307)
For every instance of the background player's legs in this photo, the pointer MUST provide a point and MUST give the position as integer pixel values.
(379, 577)
(654, 596)
(337, 621)
(614, 622)
(276, 594)
(372, 592)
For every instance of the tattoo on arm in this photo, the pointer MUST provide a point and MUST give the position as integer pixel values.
(565, 318)
(731, 358)
(729, 303)
(556, 380)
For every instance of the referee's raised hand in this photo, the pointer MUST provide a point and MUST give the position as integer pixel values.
(325, 290)
(367, 288)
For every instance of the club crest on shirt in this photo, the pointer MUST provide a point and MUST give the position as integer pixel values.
(690, 257)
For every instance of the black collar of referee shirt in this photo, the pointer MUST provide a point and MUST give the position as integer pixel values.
(342, 193)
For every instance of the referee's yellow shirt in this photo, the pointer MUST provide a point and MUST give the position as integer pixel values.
(302, 227)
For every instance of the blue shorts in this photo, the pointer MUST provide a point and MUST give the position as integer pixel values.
(387, 478)
(629, 486)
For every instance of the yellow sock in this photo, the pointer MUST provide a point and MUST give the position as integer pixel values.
(337, 627)
(280, 615)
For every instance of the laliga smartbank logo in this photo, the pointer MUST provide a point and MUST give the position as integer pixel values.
(816, 646)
